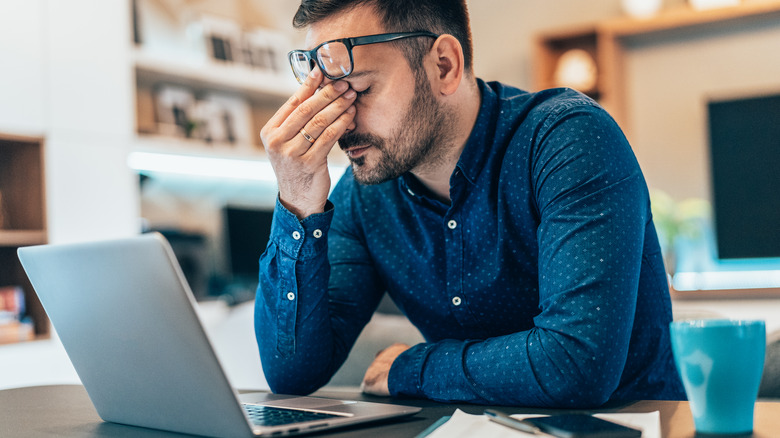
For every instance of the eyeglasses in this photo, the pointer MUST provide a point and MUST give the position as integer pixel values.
(335, 57)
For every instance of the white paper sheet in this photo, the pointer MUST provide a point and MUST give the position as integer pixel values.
(463, 425)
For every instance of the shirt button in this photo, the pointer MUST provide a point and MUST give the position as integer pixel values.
(456, 301)
(290, 296)
(452, 224)
(296, 235)
(317, 233)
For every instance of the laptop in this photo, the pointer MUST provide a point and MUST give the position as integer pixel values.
(128, 321)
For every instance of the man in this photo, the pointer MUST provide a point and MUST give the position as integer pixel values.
(512, 228)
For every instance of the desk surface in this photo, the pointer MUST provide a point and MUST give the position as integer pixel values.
(65, 410)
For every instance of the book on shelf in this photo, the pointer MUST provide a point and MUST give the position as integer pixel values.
(14, 325)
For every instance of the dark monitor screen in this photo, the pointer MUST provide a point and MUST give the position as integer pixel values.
(745, 159)
(247, 231)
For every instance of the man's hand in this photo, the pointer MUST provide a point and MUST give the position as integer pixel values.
(375, 380)
(300, 158)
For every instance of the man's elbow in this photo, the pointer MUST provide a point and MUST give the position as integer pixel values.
(583, 391)
(287, 385)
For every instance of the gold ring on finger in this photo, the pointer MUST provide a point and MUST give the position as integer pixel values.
(307, 136)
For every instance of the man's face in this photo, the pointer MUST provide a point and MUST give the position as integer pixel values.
(399, 122)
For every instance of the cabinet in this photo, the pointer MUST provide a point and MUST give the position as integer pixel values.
(607, 42)
(22, 223)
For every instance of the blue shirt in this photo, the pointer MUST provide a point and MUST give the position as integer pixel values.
(541, 284)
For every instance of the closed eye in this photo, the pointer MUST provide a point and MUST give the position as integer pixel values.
(363, 93)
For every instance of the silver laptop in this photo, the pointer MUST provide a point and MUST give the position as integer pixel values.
(127, 319)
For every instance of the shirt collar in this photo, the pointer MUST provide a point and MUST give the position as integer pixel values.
(476, 152)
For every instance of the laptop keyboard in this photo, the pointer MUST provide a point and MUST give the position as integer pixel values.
(269, 416)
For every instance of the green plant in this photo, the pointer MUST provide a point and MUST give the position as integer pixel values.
(677, 220)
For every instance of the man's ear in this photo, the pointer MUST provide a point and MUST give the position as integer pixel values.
(449, 64)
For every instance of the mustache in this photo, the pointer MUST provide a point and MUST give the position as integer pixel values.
(351, 139)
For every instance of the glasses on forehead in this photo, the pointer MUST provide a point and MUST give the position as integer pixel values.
(335, 57)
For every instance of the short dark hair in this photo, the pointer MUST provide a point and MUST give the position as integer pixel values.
(437, 16)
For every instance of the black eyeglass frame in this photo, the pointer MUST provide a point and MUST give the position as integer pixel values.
(349, 43)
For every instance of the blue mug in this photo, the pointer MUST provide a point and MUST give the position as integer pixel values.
(720, 362)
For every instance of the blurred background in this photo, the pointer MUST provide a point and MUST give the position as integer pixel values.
(124, 116)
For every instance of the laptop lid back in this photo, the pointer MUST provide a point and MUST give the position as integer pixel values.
(127, 320)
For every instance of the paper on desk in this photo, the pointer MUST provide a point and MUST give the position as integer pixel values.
(467, 425)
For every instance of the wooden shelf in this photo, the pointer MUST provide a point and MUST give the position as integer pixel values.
(686, 17)
(185, 146)
(18, 238)
(23, 221)
(207, 75)
(606, 42)
(770, 293)
(182, 146)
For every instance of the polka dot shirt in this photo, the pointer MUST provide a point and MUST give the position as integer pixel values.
(541, 284)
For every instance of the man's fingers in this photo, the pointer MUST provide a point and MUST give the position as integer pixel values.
(305, 91)
(375, 381)
(321, 110)
(328, 137)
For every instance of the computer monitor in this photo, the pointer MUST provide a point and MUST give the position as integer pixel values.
(247, 231)
(744, 137)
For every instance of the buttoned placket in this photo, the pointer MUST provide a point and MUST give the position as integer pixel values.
(453, 229)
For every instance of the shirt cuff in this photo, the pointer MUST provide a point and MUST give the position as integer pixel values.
(405, 377)
(301, 239)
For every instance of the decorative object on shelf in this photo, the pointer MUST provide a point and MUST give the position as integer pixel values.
(173, 105)
(227, 118)
(14, 327)
(712, 4)
(641, 8)
(262, 49)
(265, 50)
(211, 117)
(576, 69)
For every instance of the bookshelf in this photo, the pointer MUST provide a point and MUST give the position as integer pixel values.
(607, 42)
(207, 77)
(22, 223)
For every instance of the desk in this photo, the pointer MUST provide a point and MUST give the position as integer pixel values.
(65, 410)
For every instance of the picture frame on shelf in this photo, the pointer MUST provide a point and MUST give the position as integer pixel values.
(257, 48)
(223, 39)
(228, 118)
(266, 50)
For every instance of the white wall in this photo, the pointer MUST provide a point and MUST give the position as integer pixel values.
(670, 80)
(65, 76)
(90, 191)
(22, 91)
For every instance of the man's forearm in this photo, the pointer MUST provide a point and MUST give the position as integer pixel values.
(292, 321)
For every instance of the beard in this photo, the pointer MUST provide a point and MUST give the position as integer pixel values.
(419, 140)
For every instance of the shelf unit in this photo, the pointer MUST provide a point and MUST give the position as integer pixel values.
(607, 40)
(207, 75)
(264, 91)
(22, 216)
